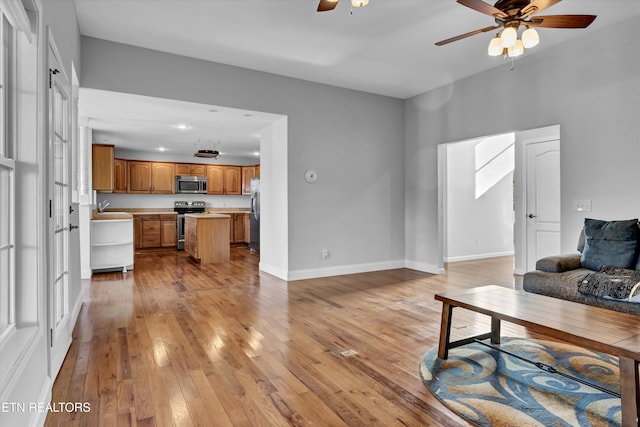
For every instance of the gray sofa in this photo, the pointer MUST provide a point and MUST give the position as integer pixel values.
(558, 277)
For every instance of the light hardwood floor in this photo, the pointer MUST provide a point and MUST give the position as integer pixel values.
(174, 343)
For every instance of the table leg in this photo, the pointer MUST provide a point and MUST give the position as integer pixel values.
(495, 330)
(630, 391)
(445, 331)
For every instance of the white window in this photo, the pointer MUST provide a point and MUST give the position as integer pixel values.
(7, 173)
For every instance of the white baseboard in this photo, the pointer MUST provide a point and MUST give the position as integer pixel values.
(274, 271)
(424, 267)
(478, 256)
(40, 417)
(313, 273)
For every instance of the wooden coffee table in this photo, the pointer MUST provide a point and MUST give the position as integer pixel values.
(590, 327)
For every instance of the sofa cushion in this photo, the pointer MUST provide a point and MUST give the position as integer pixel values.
(611, 243)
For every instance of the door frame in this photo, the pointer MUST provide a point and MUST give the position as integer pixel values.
(522, 138)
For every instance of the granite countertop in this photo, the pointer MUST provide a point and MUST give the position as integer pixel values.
(102, 216)
(207, 215)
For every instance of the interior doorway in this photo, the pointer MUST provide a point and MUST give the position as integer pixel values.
(487, 188)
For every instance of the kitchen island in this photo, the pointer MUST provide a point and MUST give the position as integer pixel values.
(206, 237)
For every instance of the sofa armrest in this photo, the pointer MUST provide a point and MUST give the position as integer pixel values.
(559, 263)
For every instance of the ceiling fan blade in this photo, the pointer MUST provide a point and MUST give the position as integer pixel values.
(326, 5)
(483, 7)
(537, 6)
(464, 36)
(562, 21)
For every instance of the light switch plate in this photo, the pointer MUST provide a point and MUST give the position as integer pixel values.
(582, 205)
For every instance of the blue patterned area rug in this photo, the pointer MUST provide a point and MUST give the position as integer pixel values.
(490, 388)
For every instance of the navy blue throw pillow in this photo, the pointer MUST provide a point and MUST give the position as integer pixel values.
(609, 243)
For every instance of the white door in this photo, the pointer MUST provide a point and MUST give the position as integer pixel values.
(542, 200)
(59, 130)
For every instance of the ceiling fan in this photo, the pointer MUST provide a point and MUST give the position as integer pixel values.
(326, 5)
(511, 15)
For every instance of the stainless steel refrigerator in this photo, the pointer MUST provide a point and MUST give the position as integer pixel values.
(254, 231)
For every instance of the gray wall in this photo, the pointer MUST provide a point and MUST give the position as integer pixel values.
(589, 86)
(353, 140)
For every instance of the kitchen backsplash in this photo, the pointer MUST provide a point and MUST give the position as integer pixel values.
(166, 200)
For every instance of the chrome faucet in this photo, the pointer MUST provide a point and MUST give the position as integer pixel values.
(102, 206)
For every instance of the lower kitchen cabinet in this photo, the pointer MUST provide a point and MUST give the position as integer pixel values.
(168, 231)
(239, 228)
(206, 237)
(155, 231)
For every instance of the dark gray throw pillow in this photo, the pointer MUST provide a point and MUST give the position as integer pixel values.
(609, 243)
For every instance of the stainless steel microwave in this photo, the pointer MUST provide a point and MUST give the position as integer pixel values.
(191, 184)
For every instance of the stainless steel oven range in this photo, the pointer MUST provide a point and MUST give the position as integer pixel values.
(181, 208)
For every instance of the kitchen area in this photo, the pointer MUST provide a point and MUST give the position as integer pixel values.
(197, 198)
(205, 233)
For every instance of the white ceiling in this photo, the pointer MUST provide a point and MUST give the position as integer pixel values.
(142, 123)
(386, 47)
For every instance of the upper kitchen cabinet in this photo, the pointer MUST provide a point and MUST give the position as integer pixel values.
(248, 172)
(151, 177)
(139, 176)
(257, 171)
(224, 179)
(215, 179)
(163, 178)
(189, 169)
(102, 163)
(119, 176)
(232, 180)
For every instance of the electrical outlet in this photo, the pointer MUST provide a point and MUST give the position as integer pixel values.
(582, 205)
(325, 253)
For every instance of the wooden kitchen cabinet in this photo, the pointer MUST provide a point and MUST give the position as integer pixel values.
(137, 231)
(239, 228)
(247, 228)
(257, 171)
(163, 178)
(150, 231)
(139, 176)
(119, 176)
(151, 177)
(215, 179)
(168, 230)
(190, 169)
(102, 167)
(207, 237)
(232, 180)
(248, 172)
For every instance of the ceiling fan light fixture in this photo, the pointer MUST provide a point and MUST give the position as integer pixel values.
(516, 50)
(359, 3)
(495, 47)
(530, 38)
(509, 36)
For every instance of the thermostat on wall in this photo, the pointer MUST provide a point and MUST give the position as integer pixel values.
(311, 176)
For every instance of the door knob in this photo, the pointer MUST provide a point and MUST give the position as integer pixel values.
(531, 216)
(72, 227)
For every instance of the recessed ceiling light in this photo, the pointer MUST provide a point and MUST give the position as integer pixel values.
(256, 153)
(248, 115)
(182, 126)
(162, 149)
